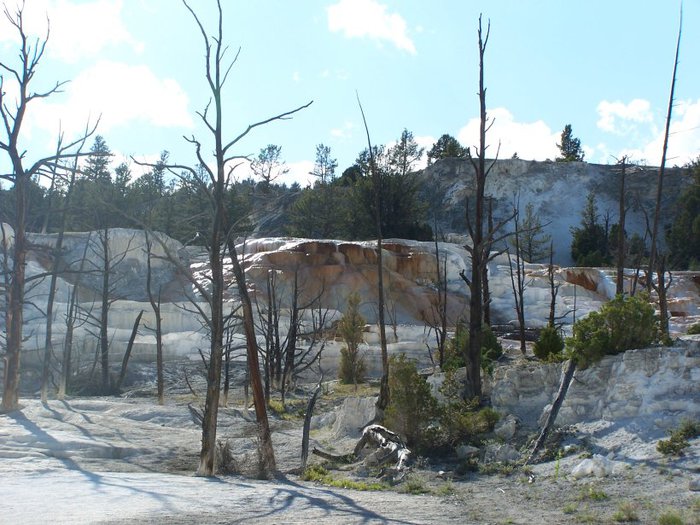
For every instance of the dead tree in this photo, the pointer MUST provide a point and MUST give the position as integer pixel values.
(660, 285)
(384, 394)
(283, 357)
(154, 298)
(437, 320)
(567, 376)
(481, 241)
(21, 76)
(662, 167)
(620, 274)
(71, 320)
(517, 281)
(219, 236)
(553, 287)
(108, 295)
(127, 353)
(55, 175)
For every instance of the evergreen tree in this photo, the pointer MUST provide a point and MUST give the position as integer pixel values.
(533, 242)
(268, 165)
(446, 147)
(570, 147)
(683, 236)
(352, 365)
(325, 165)
(589, 246)
(97, 165)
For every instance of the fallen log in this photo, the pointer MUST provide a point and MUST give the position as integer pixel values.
(389, 448)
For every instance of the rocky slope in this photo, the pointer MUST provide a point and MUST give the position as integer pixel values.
(556, 189)
(328, 270)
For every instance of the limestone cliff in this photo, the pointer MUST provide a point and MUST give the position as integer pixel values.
(327, 269)
(556, 189)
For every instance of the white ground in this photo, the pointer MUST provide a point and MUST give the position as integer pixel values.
(128, 460)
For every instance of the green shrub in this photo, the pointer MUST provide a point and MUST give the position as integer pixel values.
(459, 421)
(670, 517)
(694, 329)
(456, 348)
(319, 474)
(412, 407)
(624, 323)
(549, 344)
(352, 364)
(462, 422)
(491, 349)
(626, 513)
(678, 441)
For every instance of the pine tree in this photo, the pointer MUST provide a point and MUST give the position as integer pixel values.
(570, 147)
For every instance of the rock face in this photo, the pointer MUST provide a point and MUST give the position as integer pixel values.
(328, 270)
(556, 189)
(659, 382)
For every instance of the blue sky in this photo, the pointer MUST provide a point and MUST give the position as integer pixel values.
(602, 66)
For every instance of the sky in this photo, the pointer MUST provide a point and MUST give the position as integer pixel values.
(602, 66)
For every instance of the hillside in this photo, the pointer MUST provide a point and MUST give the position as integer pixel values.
(556, 189)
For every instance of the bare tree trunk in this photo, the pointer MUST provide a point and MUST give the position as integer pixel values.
(127, 352)
(384, 394)
(517, 282)
(216, 74)
(620, 277)
(485, 268)
(18, 80)
(480, 247)
(267, 452)
(104, 312)
(307, 424)
(48, 345)
(291, 345)
(553, 289)
(155, 306)
(65, 377)
(554, 412)
(661, 288)
(441, 329)
(14, 316)
(662, 166)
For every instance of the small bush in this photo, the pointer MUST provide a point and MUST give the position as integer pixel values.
(694, 329)
(624, 323)
(412, 406)
(549, 344)
(461, 422)
(670, 517)
(626, 513)
(678, 440)
(456, 348)
(592, 493)
(352, 364)
(414, 484)
(491, 349)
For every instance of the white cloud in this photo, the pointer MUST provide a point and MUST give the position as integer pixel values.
(370, 19)
(684, 138)
(343, 132)
(122, 94)
(78, 29)
(530, 140)
(298, 172)
(620, 118)
(296, 76)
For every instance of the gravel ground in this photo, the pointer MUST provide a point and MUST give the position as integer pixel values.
(129, 460)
